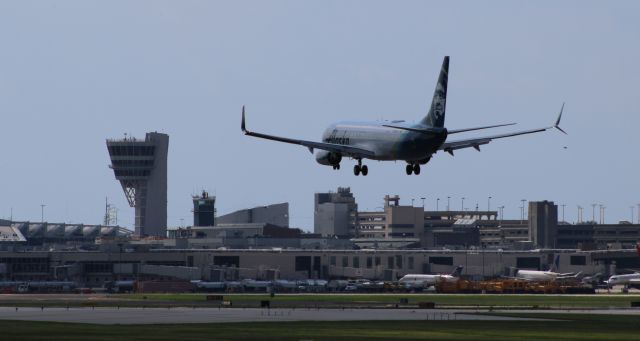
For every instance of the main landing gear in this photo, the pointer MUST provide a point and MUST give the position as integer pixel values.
(413, 168)
(360, 168)
(336, 167)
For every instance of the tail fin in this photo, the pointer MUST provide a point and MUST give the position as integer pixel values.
(457, 272)
(435, 117)
(556, 264)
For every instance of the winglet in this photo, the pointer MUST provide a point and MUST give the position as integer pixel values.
(242, 125)
(557, 125)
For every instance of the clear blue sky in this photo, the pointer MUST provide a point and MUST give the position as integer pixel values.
(73, 73)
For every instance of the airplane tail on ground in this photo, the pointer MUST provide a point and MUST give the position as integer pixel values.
(435, 117)
(556, 264)
(457, 272)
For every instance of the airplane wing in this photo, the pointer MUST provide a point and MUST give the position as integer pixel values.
(571, 276)
(311, 145)
(449, 147)
(427, 130)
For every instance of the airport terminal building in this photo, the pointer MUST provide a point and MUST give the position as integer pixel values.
(93, 269)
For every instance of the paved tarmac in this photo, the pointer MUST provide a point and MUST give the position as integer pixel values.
(215, 315)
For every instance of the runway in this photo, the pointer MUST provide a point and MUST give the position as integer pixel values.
(215, 315)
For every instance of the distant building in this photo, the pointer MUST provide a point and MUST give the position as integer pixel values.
(57, 234)
(543, 223)
(598, 236)
(276, 214)
(335, 214)
(9, 233)
(394, 222)
(204, 210)
(463, 233)
(141, 168)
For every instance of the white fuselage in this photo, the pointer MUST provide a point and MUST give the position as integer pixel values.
(534, 275)
(425, 280)
(622, 279)
(387, 143)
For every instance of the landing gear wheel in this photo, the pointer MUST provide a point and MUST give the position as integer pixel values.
(365, 170)
(356, 170)
(416, 169)
(336, 167)
(409, 169)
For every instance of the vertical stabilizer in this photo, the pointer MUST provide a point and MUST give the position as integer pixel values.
(435, 117)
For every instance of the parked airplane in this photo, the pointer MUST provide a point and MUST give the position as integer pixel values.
(546, 276)
(425, 281)
(593, 280)
(396, 140)
(627, 280)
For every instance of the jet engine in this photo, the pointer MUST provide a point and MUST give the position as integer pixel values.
(327, 158)
(425, 160)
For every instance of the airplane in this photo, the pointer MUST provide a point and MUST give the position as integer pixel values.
(546, 276)
(593, 280)
(627, 280)
(425, 281)
(396, 140)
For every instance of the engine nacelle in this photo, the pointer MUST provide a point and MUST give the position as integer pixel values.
(327, 158)
(424, 161)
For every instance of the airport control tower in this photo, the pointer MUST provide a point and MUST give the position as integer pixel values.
(204, 210)
(141, 168)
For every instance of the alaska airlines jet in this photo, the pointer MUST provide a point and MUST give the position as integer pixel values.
(395, 140)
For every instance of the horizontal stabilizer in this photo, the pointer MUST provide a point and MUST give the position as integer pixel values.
(425, 130)
(455, 131)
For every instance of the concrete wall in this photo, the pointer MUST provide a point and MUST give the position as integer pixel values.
(332, 219)
(543, 223)
(156, 207)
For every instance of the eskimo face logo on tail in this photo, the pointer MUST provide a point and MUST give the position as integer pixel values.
(438, 107)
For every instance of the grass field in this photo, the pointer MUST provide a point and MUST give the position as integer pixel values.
(564, 327)
(442, 300)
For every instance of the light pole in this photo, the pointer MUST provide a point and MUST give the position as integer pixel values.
(462, 209)
(449, 198)
(593, 213)
(438, 205)
(482, 249)
(42, 206)
(579, 214)
(488, 204)
(632, 208)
